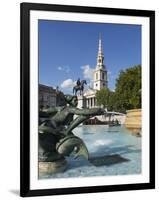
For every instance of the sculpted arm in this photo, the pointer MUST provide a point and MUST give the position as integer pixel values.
(87, 112)
(52, 110)
(84, 114)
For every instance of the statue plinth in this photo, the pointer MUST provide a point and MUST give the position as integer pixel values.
(48, 168)
(80, 101)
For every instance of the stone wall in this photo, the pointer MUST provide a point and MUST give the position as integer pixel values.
(133, 121)
(120, 118)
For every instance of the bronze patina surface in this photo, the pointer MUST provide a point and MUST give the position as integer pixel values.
(56, 139)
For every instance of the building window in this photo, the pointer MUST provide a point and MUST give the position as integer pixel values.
(103, 84)
(103, 76)
(96, 84)
(45, 97)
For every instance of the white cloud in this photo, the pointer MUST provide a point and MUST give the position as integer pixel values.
(68, 83)
(64, 68)
(87, 72)
(59, 68)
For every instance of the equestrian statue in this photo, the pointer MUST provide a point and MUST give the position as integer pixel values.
(79, 86)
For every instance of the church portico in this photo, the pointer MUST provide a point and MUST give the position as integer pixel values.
(91, 102)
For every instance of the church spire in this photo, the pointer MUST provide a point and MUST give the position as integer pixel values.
(100, 73)
(100, 57)
(100, 45)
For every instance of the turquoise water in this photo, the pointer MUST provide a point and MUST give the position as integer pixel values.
(112, 151)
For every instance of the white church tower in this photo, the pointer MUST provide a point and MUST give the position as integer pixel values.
(100, 73)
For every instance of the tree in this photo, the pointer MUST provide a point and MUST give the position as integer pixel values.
(127, 93)
(112, 101)
(102, 97)
(128, 87)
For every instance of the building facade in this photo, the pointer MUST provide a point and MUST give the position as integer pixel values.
(47, 96)
(100, 80)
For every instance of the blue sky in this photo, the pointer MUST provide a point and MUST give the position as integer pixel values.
(68, 51)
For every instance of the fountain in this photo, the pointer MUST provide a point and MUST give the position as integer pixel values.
(62, 140)
(56, 139)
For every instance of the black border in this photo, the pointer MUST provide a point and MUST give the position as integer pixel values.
(25, 9)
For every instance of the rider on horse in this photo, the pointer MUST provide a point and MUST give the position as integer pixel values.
(79, 86)
(78, 83)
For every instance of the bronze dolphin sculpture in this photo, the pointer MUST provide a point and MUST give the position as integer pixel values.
(72, 145)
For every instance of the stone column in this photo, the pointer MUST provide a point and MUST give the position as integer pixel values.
(94, 102)
(87, 103)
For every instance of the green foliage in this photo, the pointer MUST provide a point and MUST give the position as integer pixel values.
(127, 93)
(102, 97)
(127, 89)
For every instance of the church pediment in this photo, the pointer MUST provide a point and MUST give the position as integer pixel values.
(89, 92)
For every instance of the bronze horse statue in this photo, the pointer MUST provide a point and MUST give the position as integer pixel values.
(80, 87)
